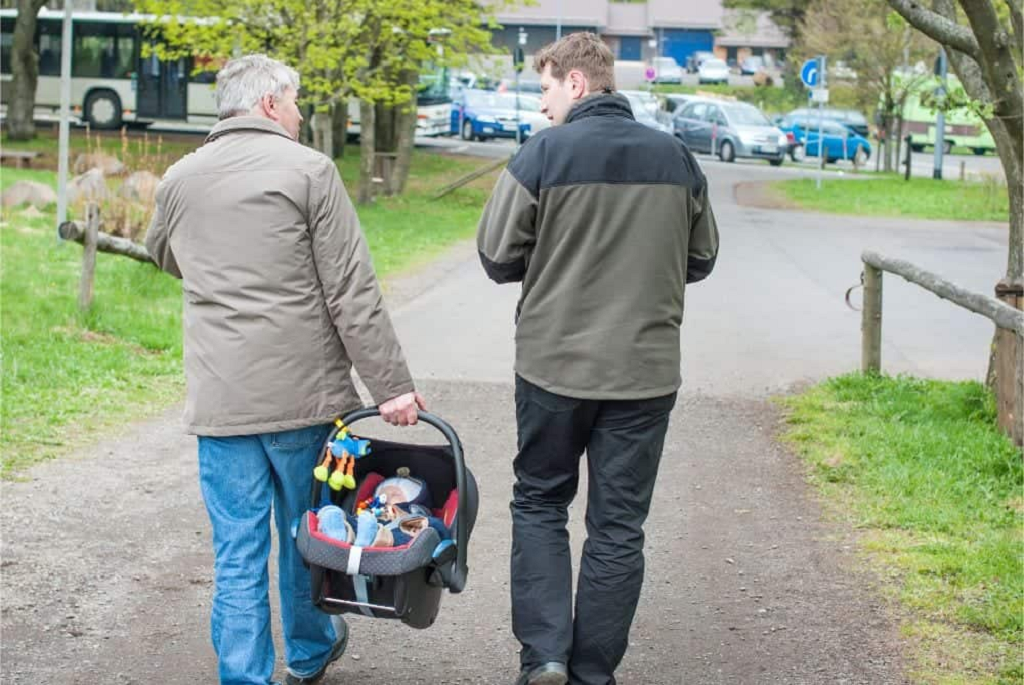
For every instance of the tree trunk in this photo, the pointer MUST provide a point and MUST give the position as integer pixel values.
(25, 69)
(339, 122)
(406, 139)
(323, 129)
(367, 148)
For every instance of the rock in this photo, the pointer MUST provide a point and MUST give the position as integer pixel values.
(140, 187)
(29, 192)
(110, 165)
(89, 186)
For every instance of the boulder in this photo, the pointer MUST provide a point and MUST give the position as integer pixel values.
(140, 187)
(110, 165)
(29, 192)
(90, 186)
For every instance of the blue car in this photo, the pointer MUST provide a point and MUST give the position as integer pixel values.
(483, 114)
(840, 142)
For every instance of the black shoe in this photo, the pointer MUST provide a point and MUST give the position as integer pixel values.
(336, 651)
(551, 673)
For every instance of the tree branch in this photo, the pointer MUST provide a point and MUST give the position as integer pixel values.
(937, 27)
(998, 62)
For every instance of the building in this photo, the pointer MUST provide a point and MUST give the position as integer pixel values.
(638, 31)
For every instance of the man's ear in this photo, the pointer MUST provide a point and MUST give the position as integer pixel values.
(269, 105)
(578, 82)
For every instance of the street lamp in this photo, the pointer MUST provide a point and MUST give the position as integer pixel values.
(519, 59)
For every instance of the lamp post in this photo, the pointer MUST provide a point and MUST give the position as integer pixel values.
(519, 59)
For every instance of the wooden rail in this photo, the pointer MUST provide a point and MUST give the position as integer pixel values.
(1009, 319)
(76, 231)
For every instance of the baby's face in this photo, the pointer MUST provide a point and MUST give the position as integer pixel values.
(392, 493)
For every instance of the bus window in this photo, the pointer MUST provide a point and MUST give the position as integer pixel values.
(103, 51)
(49, 47)
(6, 42)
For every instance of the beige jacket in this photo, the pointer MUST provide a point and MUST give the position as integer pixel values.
(280, 296)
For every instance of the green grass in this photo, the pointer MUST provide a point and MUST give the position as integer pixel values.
(69, 377)
(935, 489)
(890, 195)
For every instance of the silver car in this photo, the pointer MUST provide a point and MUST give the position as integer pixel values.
(730, 130)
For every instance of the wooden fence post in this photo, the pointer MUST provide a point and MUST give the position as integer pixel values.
(92, 230)
(1010, 366)
(871, 321)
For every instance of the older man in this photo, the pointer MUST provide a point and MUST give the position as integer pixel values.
(280, 300)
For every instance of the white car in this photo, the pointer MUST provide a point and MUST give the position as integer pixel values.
(529, 111)
(667, 70)
(713, 71)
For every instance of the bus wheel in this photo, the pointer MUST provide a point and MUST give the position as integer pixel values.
(103, 109)
(978, 151)
(916, 147)
(947, 147)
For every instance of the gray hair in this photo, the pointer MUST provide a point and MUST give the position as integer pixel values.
(243, 82)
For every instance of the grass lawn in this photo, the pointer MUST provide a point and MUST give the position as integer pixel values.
(69, 377)
(935, 491)
(890, 195)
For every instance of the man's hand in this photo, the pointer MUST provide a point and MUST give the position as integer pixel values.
(402, 410)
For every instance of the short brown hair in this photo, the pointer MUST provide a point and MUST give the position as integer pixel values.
(585, 52)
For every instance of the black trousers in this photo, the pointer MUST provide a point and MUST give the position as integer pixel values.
(623, 440)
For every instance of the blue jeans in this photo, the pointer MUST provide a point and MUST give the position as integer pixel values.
(240, 476)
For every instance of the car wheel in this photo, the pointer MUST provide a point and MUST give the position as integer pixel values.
(727, 153)
(776, 162)
(860, 156)
(467, 130)
(947, 147)
(103, 109)
(798, 153)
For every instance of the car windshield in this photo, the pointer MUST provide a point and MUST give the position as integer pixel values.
(640, 111)
(746, 116)
(493, 100)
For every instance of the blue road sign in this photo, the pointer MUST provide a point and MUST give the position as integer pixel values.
(809, 73)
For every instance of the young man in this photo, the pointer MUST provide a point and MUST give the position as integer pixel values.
(280, 300)
(604, 221)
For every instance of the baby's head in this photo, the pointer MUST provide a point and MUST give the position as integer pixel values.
(401, 489)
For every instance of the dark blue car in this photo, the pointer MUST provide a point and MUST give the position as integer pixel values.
(840, 142)
(483, 114)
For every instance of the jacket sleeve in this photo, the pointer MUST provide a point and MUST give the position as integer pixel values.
(351, 291)
(507, 232)
(703, 250)
(158, 238)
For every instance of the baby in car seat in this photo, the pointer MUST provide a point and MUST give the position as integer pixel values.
(397, 513)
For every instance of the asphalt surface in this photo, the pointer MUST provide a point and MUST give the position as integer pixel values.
(106, 553)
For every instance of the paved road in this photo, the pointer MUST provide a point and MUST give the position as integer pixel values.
(106, 556)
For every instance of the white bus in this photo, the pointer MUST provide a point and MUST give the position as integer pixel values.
(111, 83)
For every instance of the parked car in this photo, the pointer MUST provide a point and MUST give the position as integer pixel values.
(751, 65)
(840, 142)
(667, 70)
(694, 61)
(643, 114)
(676, 101)
(484, 114)
(526, 85)
(730, 130)
(713, 71)
(529, 111)
(850, 118)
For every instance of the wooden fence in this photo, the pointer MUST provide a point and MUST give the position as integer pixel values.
(1004, 312)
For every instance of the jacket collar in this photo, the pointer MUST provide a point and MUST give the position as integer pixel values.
(601, 105)
(246, 123)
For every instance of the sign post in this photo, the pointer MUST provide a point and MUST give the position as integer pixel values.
(813, 75)
(940, 119)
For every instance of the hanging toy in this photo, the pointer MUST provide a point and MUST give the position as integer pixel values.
(344, 441)
(344, 473)
(322, 471)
